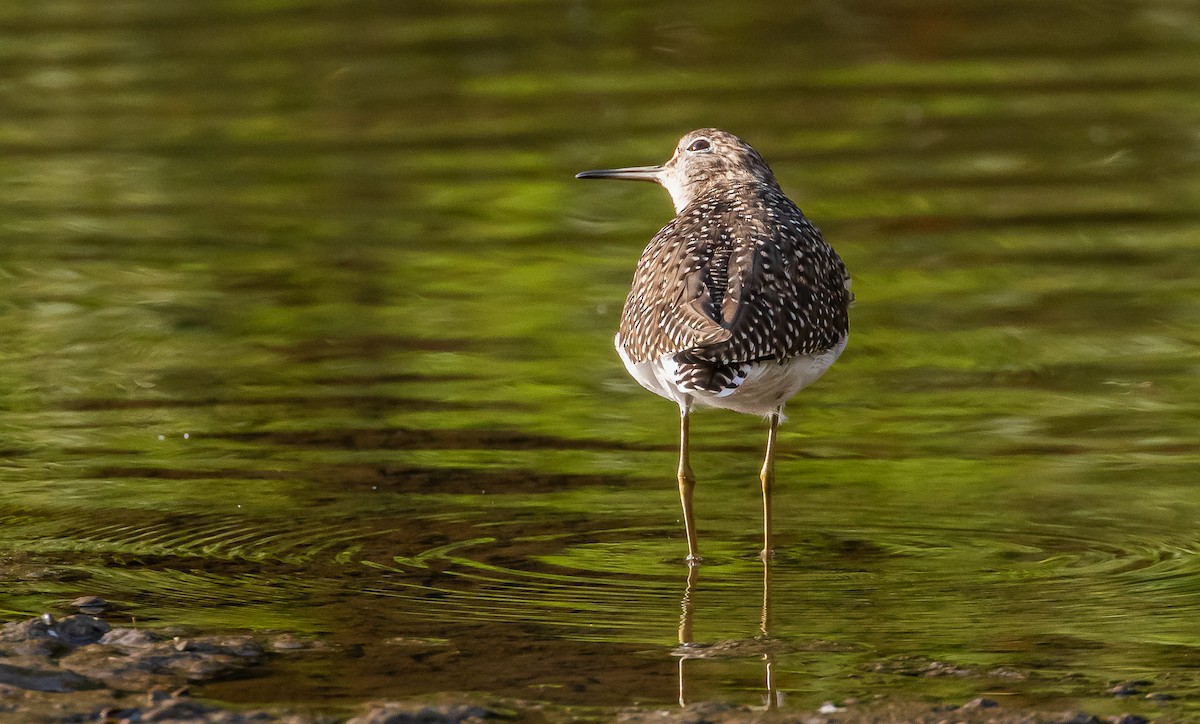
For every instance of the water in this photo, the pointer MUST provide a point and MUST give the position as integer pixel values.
(308, 328)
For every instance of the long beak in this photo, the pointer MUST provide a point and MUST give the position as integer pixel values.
(633, 173)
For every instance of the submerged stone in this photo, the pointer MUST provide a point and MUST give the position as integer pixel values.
(43, 678)
(80, 629)
(90, 604)
(129, 660)
(409, 713)
(30, 629)
(980, 703)
(129, 638)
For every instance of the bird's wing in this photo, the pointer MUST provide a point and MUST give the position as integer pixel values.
(785, 292)
(731, 286)
(670, 305)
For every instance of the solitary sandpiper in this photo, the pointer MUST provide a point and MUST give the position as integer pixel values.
(737, 303)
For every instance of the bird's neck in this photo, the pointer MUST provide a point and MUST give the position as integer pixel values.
(719, 193)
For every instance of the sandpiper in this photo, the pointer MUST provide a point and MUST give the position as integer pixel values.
(737, 303)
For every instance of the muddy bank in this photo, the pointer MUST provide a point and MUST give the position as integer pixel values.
(81, 669)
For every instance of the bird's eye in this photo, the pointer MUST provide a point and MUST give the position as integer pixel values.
(700, 144)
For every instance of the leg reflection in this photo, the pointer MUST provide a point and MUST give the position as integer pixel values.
(764, 627)
(764, 624)
(686, 640)
(760, 646)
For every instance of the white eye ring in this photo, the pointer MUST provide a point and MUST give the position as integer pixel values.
(700, 144)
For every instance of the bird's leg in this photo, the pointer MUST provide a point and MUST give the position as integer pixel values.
(768, 480)
(687, 482)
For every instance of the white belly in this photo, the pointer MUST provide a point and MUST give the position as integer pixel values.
(766, 388)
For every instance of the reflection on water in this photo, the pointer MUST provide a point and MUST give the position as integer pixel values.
(763, 646)
(307, 327)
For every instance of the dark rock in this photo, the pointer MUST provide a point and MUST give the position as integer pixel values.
(287, 642)
(1160, 696)
(32, 637)
(90, 604)
(80, 629)
(1004, 672)
(980, 703)
(179, 709)
(129, 638)
(43, 678)
(131, 662)
(1128, 719)
(244, 646)
(407, 713)
(704, 711)
(1076, 717)
(28, 630)
(77, 630)
(1129, 687)
(52, 574)
(917, 666)
(939, 668)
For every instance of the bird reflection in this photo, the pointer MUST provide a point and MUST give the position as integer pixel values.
(690, 649)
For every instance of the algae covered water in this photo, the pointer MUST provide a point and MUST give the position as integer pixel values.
(308, 329)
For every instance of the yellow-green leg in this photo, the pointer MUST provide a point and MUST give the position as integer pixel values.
(768, 481)
(687, 482)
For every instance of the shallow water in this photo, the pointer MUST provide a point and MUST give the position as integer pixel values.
(308, 328)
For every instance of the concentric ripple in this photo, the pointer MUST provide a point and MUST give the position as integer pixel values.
(627, 583)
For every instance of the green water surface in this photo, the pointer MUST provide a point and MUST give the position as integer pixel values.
(307, 327)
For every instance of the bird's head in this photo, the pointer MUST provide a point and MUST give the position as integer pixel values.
(704, 160)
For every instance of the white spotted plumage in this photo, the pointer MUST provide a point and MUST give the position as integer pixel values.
(738, 302)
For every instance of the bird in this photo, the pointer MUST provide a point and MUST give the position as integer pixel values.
(738, 303)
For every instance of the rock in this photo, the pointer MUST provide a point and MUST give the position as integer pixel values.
(918, 666)
(408, 713)
(233, 645)
(80, 629)
(36, 648)
(1128, 688)
(133, 661)
(1160, 696)
(1128, 719)
(28, 630)
(77, 630)
(701, 711)
(32, 637)
(1004, 672)
(179, 709)
(43, 678)
(939, 668)
(1076, 717)
(287, 642)
(980, 703)
(90, 604)
(129, 638)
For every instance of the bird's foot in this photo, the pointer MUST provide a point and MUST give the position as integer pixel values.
(766, 554)
(693, 560)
